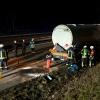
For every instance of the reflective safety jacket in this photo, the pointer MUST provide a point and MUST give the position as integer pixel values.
(70, 54)
(32, 44)
(3, 54)
(92, 53)
(84, 53)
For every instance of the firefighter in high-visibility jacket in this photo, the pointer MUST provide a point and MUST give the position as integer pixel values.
(84, 53)
(3, 57)
(71, 55)
(32, 44)
(91, 56)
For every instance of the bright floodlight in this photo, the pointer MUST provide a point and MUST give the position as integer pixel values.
(63, 36)
(1, 45)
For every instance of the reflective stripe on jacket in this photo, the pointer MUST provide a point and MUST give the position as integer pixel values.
(3, 54)
(32, 44)
(70, 54)
(84, 53)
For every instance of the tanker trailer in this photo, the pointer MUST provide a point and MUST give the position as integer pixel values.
(82, 35)
(62, 39)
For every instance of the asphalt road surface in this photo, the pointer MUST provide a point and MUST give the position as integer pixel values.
(23, 73)
(34, 67)
(37, 47)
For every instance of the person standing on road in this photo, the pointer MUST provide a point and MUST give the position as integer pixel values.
(3, 57)
(71, 55)
(32, 44)
(23, 47)
(15, 48)
(48, 65)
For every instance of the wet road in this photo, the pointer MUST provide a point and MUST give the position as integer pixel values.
(22, 73)
(30, 67)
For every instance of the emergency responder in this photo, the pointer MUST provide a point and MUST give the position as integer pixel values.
(23, 47)
(15, 48)
(48, 57)
(84, 53)
(91, 56)
(72, 69)
(3, 57)
(71, 55)
(32, 44)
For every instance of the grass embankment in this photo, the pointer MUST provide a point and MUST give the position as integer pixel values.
(85, 87)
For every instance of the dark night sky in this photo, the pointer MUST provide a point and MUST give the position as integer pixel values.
(44, 19)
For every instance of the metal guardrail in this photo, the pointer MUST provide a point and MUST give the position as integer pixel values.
(4, 36)
(27, 43)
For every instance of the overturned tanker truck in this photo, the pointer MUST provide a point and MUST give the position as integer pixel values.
(62, 39)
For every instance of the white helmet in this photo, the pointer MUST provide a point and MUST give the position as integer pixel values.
(1, 45)
(15, 41)
(48, 56)
(85, 46)
(23, 40)
(32, 39)
(52, 59)
(91, 47)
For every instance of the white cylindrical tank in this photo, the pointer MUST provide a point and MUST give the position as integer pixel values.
(63, 36)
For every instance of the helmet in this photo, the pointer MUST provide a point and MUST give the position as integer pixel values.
(15, 41)
(32, 39)
(52, 59)
(1, 45)
(48, 56)
(85, 46)
(91, 47)
(23, 40)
